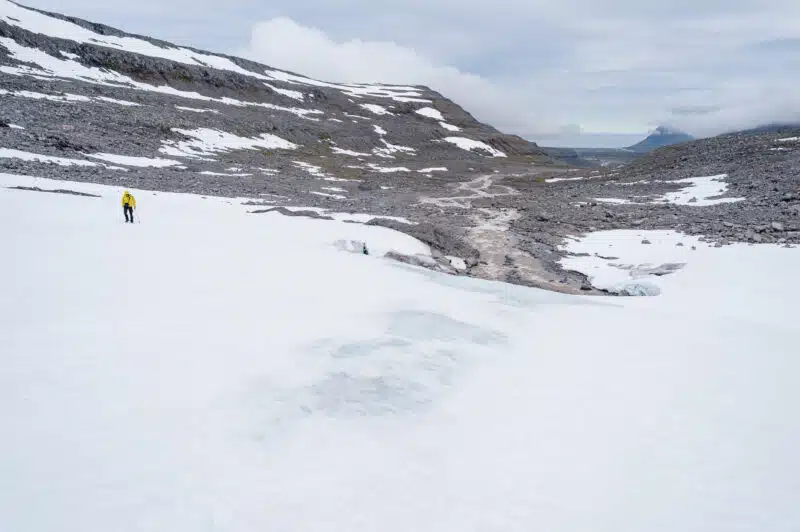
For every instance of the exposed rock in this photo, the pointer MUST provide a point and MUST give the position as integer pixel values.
(438, 238)
(288, 212)
(422, 261)
(55, 191)
(777, 226)
(646, 270)
(752, 236)
(639, 289)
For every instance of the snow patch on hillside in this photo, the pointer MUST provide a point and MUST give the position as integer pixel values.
(375, 109)
(387, 170)
(206, 142)
(142, 162)
(449, 127)
(117, 101)
(296, 95)
(224, 174)
(701, 192)
(9, 153)
(355, 90)
(342, 151)
(196, 110)
(614, 201)
(312, 169)
(318, 172)
(560, 179)
(474, 145)
(430, 112)
(66, 97)
(433, 169)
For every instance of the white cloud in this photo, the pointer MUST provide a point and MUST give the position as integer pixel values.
(314, 53)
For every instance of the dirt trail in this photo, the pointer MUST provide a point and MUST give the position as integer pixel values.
(479, 188)
(501, 257)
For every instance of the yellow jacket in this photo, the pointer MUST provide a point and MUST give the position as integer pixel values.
(128, 199)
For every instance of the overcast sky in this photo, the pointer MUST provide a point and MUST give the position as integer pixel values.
(560, 72)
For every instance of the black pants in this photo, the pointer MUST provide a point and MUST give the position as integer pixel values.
(128, 209)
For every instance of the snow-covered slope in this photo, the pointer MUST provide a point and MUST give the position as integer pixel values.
(212, 369)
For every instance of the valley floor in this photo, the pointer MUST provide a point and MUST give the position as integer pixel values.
(211, 369)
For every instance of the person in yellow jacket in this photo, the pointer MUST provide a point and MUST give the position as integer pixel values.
(128, 204)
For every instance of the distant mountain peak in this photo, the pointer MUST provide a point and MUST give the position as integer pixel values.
(666, 130)
(660, 137)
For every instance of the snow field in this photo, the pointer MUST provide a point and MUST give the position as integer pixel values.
(210, 369)
(733, 278)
